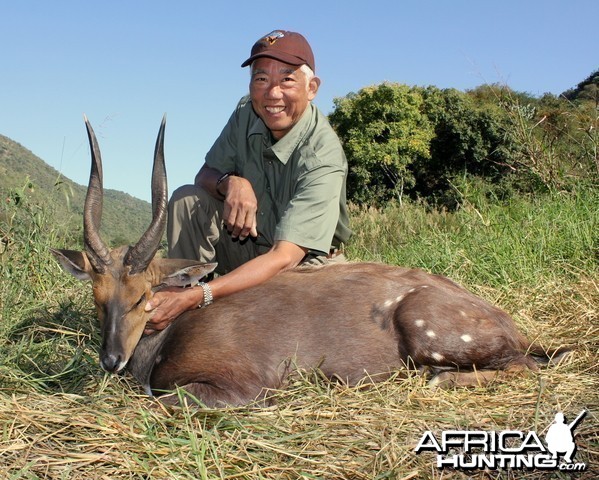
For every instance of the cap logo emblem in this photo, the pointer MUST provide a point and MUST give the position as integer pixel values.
(272, 37)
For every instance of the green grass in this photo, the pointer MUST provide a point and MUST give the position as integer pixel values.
(62, 418)
(494, 244)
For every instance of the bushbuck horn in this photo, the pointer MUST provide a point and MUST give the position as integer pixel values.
(97, 252)
(139, 257)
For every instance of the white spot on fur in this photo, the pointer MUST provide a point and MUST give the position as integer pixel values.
(399, 299)
(431, 334)
(425, 286)
(466, 338)
(388, 303)
(463, 313)
(411, 290)
(437, 356)
(419, 322)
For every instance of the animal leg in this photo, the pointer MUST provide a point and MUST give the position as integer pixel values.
(476, 378)
(214, 397)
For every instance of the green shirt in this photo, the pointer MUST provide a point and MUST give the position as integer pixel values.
(299, 180)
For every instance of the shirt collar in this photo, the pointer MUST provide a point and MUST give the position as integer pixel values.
(284, 148)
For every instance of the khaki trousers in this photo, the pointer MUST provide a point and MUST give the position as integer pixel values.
(195, 231)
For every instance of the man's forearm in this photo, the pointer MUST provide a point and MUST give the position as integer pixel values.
(207, 178)
(282, 257)
(170, 303)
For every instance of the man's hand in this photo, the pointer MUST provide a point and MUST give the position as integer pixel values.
(168, 303)
(239, 213)
(240, 203)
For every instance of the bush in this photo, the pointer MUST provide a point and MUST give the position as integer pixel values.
(383, 130)
(469, 140)
(415, 141)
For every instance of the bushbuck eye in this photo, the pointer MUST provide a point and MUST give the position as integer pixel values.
(140, 301)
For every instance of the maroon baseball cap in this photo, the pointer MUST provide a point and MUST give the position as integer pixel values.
(287, 47)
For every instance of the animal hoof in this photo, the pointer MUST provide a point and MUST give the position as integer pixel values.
(443, 380)
(464, 379)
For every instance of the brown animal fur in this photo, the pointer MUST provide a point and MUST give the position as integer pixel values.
(349, 320)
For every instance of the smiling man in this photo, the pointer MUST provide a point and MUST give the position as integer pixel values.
(271, 194)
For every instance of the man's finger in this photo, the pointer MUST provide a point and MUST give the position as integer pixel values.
(231, 221)
(250, 226)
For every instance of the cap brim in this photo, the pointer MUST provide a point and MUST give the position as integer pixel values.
(281, 56)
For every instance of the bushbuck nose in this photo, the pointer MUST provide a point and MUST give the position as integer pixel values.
(110, 362)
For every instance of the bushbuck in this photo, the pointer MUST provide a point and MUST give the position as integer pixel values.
(353, 321)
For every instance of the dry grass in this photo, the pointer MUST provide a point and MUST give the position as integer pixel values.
(318, 430)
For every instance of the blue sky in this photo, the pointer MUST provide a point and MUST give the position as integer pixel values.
(126, 63)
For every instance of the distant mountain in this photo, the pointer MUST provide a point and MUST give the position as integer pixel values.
(124, 218)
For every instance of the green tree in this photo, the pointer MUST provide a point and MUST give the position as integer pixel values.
(423, 142)
(383, 131)
(469, 139)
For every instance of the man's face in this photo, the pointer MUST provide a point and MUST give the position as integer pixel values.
(280, 94)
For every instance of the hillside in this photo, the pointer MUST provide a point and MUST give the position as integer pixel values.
(588, 89)
(23, 174)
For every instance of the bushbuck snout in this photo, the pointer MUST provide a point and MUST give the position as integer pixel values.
(352, 321)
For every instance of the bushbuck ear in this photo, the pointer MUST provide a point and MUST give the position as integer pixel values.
(175, 276)
(73, 262)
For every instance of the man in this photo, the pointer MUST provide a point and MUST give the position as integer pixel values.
(271, 194)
